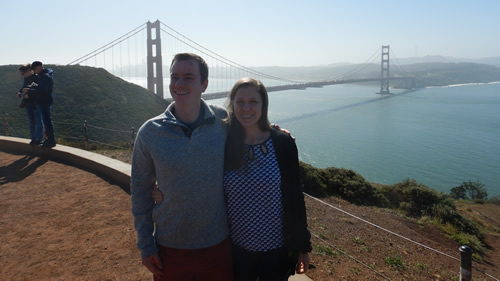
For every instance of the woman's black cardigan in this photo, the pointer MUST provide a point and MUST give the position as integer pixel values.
(297, 237)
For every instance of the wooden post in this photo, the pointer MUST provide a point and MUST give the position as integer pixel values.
(465, 263)
(6, 122)
(132, 140)
(86, 135)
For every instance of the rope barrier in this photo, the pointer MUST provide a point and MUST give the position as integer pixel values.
(72, 124)
(382, 228)
(112, 130)
(393, 233)
(66, 123)
(69, 137)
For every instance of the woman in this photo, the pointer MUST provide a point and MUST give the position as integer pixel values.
(266, 209)
(28, 102)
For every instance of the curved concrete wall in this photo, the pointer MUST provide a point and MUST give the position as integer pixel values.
(112, 169)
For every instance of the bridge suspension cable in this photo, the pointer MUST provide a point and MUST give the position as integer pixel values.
(220, 58)
(224, 72)
(397, 63)
(109, 45)
(375, 56)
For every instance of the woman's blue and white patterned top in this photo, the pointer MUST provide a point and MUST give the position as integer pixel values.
(254, 203)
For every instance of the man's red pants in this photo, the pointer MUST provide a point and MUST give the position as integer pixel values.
(207, 264)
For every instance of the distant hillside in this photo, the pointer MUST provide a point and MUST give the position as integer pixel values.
(442, 74)
(83, 93)
(427, 74)
(494, 61)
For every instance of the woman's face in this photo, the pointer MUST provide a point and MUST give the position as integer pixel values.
(26, 73)
(247, 106)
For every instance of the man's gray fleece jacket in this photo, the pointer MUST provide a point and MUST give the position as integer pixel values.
(189, 171)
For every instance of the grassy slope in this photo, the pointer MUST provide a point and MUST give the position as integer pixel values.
(83, 93)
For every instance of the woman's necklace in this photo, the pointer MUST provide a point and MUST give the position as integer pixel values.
(260, 141)
(263, 148)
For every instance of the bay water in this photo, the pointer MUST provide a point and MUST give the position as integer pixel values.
(439, 136)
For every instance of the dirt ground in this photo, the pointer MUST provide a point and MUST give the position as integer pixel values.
(360, 251)
(59, 222)
(62, 223)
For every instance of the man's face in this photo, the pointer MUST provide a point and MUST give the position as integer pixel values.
(186, 86)
(37, 69)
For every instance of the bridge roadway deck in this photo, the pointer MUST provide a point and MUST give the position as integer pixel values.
(111, 169)
(303, 86)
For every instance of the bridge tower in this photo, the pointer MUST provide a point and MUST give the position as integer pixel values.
(384, 78)
(155, 72)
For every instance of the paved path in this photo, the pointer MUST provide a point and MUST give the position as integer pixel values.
(301, 277)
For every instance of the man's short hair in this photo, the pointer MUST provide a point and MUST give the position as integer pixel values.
(35, 64)
(190, 56)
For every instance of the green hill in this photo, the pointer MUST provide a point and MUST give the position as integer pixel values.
(83, 93)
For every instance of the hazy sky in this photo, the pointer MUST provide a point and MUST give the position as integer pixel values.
(257, 32)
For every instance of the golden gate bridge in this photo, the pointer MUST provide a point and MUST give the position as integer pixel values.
(130, 59)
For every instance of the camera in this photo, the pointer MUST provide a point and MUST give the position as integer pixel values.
(24, 96)
(22, 103)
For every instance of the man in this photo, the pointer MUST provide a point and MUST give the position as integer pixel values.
(43, 99)
(185, 237)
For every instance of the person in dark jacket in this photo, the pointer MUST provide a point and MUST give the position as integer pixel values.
(28, 102)
(43, 98)
(265, 203)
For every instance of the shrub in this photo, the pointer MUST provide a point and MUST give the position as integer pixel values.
(350, 186)
(421, 199)
(415, 199)
(418, 200)
(470, 190)
(412, 197)
(395, 262)
(325, 250)
(312, 180)
(339, 182)
(447, 213)
(472, 241)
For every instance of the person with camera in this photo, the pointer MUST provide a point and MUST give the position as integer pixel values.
(27, 101)
(43, 99)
